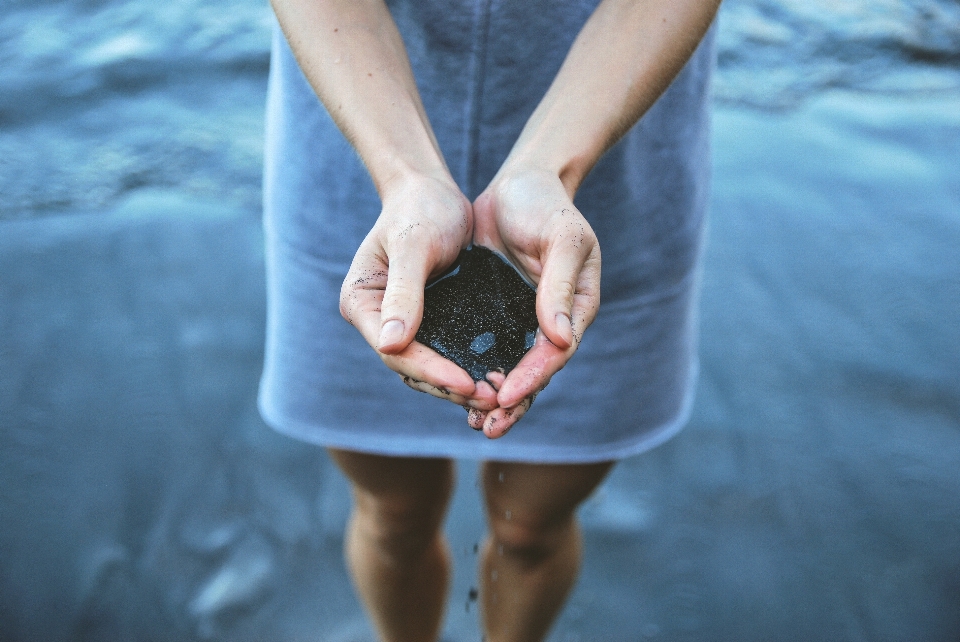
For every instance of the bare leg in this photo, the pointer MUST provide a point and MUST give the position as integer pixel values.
(532, 557)
(394, 547)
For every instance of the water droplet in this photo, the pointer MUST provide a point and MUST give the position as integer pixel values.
(509, 516)
(493, 575)
(529, 339)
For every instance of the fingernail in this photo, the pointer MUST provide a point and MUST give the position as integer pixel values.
(564, 328)
(390, 333)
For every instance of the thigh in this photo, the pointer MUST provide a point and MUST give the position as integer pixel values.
(538, 496)
(402, 486)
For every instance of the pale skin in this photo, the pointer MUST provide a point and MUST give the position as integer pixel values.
(354, 57)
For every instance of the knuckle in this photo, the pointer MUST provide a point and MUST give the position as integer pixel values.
(564, 291)
(399, 304)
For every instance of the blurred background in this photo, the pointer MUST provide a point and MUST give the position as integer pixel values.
(814, 496)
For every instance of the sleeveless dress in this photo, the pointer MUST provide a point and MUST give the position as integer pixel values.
(482, 66)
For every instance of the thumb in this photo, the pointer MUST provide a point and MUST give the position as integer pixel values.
(558, 283)
(402, 308)
(569, 288)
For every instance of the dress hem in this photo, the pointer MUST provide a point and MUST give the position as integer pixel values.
(487, 450)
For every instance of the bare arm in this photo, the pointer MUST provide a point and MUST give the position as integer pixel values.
(625, 56)
(355, 60)
(354, 57)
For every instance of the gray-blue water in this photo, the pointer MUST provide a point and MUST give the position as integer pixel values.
(815, 495)
(101, 97)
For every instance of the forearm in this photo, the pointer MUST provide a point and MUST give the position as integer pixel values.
(625, 56)
(355, 60)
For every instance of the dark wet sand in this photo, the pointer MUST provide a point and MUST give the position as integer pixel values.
(481, 314)
(814, 496)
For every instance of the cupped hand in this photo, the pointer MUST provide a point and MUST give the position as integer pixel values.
(529, 217)
(424, 224)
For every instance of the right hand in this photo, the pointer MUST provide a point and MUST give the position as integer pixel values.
(425, 222)
(528, 216)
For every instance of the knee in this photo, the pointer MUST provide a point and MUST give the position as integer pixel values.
(530, 539)
(399, 527)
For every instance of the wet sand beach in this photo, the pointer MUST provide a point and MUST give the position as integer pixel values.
(814, 495)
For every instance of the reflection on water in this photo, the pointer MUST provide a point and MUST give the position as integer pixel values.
(102, 97)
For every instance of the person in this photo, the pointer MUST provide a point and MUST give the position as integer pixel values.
(512, 125)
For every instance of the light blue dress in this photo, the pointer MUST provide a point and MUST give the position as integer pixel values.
(482, 66)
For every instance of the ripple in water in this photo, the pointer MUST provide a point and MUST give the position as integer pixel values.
(776, 53)
(103, 97)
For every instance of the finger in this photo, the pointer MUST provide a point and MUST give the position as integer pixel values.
(533, 373)
(586, 297)
(485, 395)
(402, 307)
(498, 422)
(362, 291)
(495, 379)
(421, 364)
(475, 418)
(568, 255)
(430, 389)
(470, 403)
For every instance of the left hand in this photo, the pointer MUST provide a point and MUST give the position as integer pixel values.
(529, 217)
(424, 224)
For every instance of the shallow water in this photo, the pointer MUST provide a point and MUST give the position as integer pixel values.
(100, 98)
(778, 53)
(814, 495)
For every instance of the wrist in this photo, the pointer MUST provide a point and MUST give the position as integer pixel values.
(549, 157)
(569, 174)
(401, 177)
